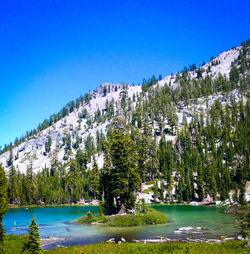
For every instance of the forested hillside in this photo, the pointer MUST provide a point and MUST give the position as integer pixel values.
(181, 138)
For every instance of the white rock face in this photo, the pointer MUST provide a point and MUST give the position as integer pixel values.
(34, 148)
(225, 59)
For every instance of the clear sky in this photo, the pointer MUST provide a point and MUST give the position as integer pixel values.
(53, 51)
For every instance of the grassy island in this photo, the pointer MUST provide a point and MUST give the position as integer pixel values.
(149, 217)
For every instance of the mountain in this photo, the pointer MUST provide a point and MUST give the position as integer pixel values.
(75, 125)
(169, 107)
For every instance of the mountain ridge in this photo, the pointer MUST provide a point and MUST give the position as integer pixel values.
(98, 100)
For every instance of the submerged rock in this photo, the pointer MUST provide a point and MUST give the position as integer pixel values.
(200, 228)
(111, 240)
(229, 239)
(189, 230)
(178, 232)
(186, 229)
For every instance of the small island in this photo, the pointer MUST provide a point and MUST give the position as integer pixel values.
(147, 217)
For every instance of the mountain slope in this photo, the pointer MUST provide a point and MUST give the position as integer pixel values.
(185, 146)
(34, 147)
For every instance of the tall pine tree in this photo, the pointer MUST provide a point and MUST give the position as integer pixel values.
(123, 173)
(3, 205)
(33, 245)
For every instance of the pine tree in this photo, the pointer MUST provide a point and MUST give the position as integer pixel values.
(73, 180)
(179, 189)
(123, 172)
(48, 144)
(33, 245)
(10, 161)
(234, 74)
(162, 156)
(12, 183)
(200, 184)
(106, 186)
(3, 205)
(242, 193)
(12, 188)
(95, 180)
(30, 184)
(2, 235)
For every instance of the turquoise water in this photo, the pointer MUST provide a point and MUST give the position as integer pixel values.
(55, 222)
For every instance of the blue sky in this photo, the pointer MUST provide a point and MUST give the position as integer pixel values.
(53, 51)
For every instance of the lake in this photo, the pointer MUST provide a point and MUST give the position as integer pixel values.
(56, 222)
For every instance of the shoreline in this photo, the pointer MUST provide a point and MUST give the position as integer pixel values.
(10, 206)
(49, 206)
(54, 242)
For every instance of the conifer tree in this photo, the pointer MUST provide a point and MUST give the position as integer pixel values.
(48, 144)
(234, 74)
(73, 180)
(10, 161)
(12, 183)
(33, 245)
(200, 183)
(3, 205)
(30, 183)
(123, 172)
(12, 188)
(242, 193)
(106, 186)
(95, 181)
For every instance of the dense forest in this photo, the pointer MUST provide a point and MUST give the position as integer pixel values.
(207, 155)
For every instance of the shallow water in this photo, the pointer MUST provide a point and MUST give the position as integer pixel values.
(55, 222)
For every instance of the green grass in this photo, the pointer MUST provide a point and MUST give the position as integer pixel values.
(14, 244)
(129, 220)
(87, 220)
(233, 247)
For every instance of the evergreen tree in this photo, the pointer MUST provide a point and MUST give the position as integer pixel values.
(107, 186)
(12, 186)
(3, 205)
(10, 161)
(33, 245)
(242, 193)
(123, 172)
(95, 180)
(200, 184)
(30, 187)
(73, 180)
(234, 74)
(48, 144)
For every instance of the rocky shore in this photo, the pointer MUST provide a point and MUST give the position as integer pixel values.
(183, 235)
